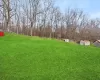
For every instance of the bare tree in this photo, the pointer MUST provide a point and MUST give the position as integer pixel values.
(6, 12)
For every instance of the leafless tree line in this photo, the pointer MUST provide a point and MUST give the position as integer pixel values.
(42, 18)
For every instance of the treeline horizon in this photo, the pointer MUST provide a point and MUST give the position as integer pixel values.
(42, 18)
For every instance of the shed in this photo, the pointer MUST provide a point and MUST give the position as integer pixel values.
(66, 40)
(97, 43)
(1, 33)
(85, 42)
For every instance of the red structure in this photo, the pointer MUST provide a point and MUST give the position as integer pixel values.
(1, 33)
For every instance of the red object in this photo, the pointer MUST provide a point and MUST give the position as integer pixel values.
(1, 33)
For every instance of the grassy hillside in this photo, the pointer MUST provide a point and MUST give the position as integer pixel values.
(33, 58)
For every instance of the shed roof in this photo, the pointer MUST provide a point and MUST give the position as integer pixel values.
(98, 41)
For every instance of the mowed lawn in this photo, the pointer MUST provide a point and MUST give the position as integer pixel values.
(34, 58)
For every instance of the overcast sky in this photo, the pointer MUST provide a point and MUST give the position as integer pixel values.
(91, 7)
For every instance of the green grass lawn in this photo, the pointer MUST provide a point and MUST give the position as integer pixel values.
(34, 58)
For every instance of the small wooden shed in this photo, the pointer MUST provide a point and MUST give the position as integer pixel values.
(97, 43)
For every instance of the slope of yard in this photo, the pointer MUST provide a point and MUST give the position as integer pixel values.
(33, 58)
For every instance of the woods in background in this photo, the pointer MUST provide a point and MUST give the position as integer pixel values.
(42, 18)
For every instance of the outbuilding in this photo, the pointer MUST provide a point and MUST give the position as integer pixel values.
(97, 43)
(66, 40)
(85, 42)
(1, 33)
